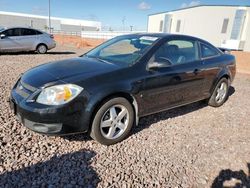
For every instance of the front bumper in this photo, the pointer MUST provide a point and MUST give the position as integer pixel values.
(50, 120)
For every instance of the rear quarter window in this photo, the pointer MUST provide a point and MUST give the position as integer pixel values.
(208, 51)
(39, 32)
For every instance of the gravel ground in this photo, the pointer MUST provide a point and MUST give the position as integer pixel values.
(192, 146)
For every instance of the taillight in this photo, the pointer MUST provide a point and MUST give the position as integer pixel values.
(52, 36)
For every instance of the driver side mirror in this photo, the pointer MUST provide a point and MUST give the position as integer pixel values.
(2, 36)
(159, 65)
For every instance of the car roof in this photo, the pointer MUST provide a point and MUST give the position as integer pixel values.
(161, 35)
(5, 28)
(19, 28)
(167, 35)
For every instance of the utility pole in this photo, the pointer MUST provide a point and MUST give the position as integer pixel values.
(123, 23)
(131, 28)
(49, 19)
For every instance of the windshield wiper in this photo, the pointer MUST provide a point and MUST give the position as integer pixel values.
(99, 58)
(102, 60)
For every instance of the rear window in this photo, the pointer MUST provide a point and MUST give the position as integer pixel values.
(38, 32)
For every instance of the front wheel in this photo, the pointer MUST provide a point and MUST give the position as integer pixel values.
(113, 121)
(220, 93)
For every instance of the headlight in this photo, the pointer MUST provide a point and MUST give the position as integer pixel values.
(58, 95)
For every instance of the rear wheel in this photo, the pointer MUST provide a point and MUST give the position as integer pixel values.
(113, 121)
(220, 93)
(41, 49)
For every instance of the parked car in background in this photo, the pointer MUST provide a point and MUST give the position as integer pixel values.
(25, 39)
(106, 91)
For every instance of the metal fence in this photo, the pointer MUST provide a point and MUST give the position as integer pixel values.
(94, 34)
(71, 33)
(105, 34)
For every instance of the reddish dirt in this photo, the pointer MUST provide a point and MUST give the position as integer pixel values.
(192, 146)
(243, 58)
(243, 61)
(77, 41)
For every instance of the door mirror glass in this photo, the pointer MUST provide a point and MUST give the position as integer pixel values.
(2, 36)
(159, 65)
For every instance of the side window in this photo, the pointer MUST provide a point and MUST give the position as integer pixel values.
(8, 32)
(28, 32)
(207, 51)
(12, 32)
(177, 52)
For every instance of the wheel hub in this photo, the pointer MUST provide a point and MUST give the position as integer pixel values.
(114, 122)
(221, 92)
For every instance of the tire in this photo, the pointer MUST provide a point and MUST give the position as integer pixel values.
(113, 121)
(220, 93)
(42, 49)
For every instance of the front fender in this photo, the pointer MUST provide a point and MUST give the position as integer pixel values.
(96, 97)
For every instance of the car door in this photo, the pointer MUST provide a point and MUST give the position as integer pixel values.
(11, 41)
(28, 39)
(179, 82)
(212, 60)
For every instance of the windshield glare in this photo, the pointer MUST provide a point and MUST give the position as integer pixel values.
(123, 50)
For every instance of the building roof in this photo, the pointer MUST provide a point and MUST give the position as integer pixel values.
(197, 6)
(67, 21)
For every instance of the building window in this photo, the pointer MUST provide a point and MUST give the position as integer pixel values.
(224, 26)
(238, 24)
(161, 26)
(167, 23)
(178, 26)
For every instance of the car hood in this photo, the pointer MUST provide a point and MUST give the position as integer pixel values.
(61, 70)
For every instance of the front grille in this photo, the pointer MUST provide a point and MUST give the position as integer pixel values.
(24, 90)
(27, 86)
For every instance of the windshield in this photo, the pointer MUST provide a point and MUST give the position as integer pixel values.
(1, 29)
(123, 49)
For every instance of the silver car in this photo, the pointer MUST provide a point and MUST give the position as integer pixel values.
(25, 39)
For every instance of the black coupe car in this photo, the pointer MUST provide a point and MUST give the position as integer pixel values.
(106, 91)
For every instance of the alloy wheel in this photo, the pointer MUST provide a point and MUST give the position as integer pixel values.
(114, 122)
(221, 92)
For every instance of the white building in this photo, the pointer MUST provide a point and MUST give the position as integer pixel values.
(223, 26)
(12, 19)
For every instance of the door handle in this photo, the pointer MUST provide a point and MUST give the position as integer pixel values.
(197, 71)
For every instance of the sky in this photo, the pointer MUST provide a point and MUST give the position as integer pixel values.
(115, 14)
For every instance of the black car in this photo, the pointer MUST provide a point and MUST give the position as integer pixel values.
(106, 91)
